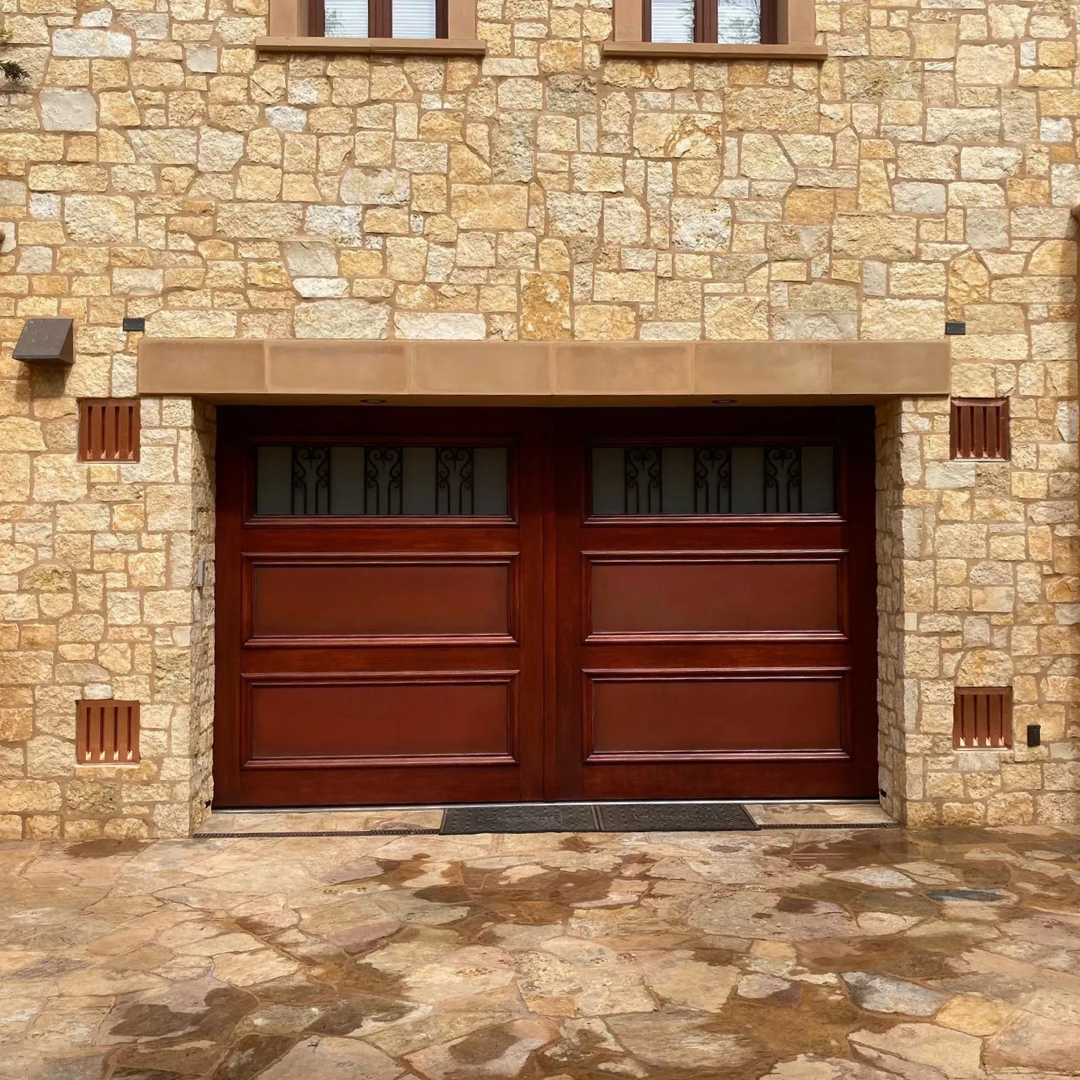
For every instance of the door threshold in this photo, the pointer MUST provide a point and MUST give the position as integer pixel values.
(622, 816)
(365, 808)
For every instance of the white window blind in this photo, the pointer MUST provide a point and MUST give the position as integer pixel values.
(673, 20)
(414, 18)
(346, 18)
(739, 22)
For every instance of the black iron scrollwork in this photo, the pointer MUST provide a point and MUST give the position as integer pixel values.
(311, 480)
(712, 480)
(454, 493)
(382, 479)
(783, 480)
(643, 480)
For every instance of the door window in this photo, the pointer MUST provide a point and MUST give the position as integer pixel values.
(350, 480)
(713, 479)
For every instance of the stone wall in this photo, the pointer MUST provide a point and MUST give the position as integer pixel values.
(158, 166)
(98, 564)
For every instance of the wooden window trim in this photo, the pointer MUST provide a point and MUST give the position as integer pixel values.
(380, 18)
(788, 32)
(297, 26)
(706, 22)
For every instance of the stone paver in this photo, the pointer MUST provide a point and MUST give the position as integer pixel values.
(829, 955)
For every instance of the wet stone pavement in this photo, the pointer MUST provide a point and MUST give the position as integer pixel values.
(831, 955)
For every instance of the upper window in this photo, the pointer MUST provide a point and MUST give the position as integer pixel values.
(726, 22)
(351, 480)
(713, 479)
(379, 18)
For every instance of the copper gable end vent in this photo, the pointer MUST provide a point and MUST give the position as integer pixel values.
(979, 429)
(109, 429)
(982, 717)
(107, 732)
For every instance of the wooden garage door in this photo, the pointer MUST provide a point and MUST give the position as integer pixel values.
(380, 607)
(716, 604)
(430, 606)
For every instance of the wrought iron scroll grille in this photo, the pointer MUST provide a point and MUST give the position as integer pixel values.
(454, 466)
(714, 479)
(783, 480)
(382, 480)
(311, 479)
(316, 479)
(644, 480)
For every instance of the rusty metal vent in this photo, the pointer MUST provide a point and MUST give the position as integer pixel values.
(107, 733)
(980, 428)
(109, 429)
(982, 717)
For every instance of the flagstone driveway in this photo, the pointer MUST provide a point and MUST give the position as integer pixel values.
(797, 955)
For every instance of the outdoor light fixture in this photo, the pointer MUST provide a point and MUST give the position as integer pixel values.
(46, 341)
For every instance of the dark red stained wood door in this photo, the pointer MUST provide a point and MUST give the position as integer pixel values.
(544, 651)
(378, 659)
(715, 656)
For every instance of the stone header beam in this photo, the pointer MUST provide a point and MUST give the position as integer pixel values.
(539, 373)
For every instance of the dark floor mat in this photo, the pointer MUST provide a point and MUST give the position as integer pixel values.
(556, 817)
(603, 817)
(674, 817)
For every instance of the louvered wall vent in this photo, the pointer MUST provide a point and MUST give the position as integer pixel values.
(980, 428)
(982, 717)
(108, 733)
(109, 429)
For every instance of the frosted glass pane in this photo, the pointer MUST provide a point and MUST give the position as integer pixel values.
(346, 18)
(673, 20)
(818, 483)
(273, 480)
(747, 480)
(739, 22)
(414, 18)
(608, 481)
(346, 480)
(677, 470)
(489, 480)
(419, 480)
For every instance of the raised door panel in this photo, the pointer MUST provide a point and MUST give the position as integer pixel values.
(697, 716)
(375, 598)
(706, 594)
(383, 718)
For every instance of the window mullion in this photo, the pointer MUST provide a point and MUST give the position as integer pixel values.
(380, 18)
(706, 22)
(770, 29)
